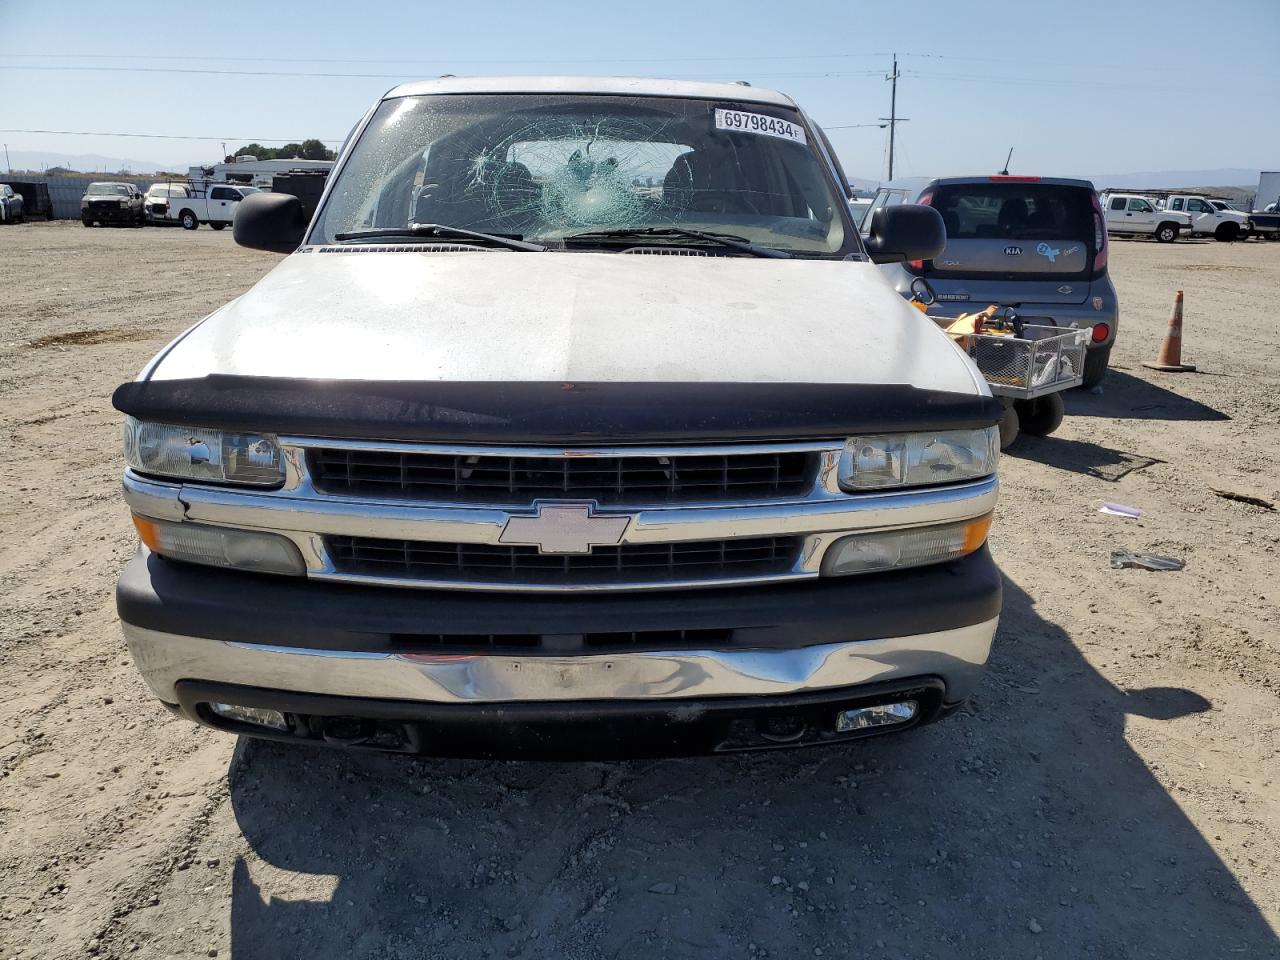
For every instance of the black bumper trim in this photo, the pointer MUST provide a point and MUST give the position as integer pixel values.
(576, 730)
(169, 597)
(540, 412)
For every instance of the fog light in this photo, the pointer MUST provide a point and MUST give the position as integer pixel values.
(881, 715)
(257, 716)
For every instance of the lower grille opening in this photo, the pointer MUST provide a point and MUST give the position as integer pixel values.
(708, 560)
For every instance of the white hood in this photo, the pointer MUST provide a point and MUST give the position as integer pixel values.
(578, 317)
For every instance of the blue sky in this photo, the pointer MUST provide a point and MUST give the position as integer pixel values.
(1081, 88)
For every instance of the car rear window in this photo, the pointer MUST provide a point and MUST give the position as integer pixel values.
(1015, 211)
(1015, 231)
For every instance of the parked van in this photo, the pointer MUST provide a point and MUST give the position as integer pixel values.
(579, 421)
(1035, 244)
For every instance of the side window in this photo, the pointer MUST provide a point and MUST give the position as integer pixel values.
(223, 193)
(1177, 203)
(1117, 203)
(1198, 206)
(881, 200)
(1139, 205)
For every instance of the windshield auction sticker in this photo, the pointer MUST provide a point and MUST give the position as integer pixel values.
(742, 122)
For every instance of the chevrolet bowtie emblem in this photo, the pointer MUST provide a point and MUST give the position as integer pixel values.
(565, 527)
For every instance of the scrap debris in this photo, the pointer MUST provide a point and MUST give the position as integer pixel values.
(1243, 498)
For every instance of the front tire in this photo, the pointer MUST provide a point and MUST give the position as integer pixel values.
(1042, 416)
(87, 223)
(189, 220)
(1008, 424)
(1227, 232)
(1167, 232)
(1096, 362)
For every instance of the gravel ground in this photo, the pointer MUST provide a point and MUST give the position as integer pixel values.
(1111, 792)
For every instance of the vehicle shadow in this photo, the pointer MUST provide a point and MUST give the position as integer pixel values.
(1128, 397)
(1023, 825)
(1078, 456)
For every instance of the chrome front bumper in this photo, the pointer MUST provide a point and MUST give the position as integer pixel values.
(956, 656)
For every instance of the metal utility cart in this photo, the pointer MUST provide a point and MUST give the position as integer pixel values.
(1027, 365)
(1028, 370)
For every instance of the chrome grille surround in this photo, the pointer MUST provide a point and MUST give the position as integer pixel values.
(815, 516)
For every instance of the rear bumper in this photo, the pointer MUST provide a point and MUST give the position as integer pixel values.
(200, 635)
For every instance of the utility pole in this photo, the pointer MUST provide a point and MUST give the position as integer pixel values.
(6, 159)
(893, 117)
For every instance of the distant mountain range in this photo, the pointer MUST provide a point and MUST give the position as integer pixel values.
(37, 160)
(1166, 179)
(1150, 180)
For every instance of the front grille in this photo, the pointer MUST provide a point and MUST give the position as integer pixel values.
(560, 643)
(631, 563)
(463, 478)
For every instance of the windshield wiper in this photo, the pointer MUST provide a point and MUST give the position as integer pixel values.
(437, 231)
(722, 239)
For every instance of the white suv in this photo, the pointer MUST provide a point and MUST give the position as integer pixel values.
(1130, 213)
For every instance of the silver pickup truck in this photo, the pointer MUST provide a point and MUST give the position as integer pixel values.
(580, 421)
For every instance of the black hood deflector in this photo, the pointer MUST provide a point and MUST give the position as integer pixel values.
(542, 412)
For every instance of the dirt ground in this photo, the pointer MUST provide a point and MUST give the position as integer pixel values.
(1112, 792)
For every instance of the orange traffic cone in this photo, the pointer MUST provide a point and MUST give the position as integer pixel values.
(1170, 357)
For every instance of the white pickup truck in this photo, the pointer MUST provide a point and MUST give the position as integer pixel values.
(1209, 218)
(194, 203)
(1130, 213)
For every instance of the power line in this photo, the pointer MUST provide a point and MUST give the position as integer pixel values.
(173, 136)
(443, 61)
(401, 77)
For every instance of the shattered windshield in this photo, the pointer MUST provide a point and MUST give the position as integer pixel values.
(546, 168)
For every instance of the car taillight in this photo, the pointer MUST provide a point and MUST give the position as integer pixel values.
(1099, 239)
(925, 200)
(1100, 332)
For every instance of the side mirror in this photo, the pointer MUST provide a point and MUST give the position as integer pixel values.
(269, 221)
(907, 231)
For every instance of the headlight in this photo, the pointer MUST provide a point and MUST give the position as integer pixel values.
(221, 546)
(898, 549)
(919, 459)
(199, 453)
(124, 203)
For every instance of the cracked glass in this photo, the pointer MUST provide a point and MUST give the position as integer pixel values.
(545, 168)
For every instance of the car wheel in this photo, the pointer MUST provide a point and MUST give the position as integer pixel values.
(1167, 233)
(1008, 424)
(189, 221)
(217, 226)
(1227, 232)
(87, 223)
(1042, 416)
(1096, 362)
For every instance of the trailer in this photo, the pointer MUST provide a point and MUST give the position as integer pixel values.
(35, 198)
(1264, 221)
